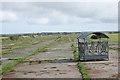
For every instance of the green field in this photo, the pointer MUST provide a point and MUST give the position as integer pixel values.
(113, 37)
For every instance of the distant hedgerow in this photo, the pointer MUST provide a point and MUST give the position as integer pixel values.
(14, 37)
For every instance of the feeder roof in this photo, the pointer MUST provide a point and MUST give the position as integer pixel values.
(98, 34)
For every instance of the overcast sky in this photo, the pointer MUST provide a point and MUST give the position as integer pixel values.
(26, 17)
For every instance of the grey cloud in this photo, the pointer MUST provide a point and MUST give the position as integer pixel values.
(66, 12)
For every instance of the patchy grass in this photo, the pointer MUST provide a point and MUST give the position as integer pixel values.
(75, 53)
(43, 49)
(8, 66)
(22, 43)
(25, 42)
(80, 65)
(18, 59)
(82, 71)
(39, 50)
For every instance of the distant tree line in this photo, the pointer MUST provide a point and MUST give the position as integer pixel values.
(43, 33)
(16, 36)
(113, 32)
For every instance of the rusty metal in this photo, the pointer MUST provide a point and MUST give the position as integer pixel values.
(93, 50)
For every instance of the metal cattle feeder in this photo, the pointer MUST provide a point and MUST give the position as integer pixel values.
(93, 46)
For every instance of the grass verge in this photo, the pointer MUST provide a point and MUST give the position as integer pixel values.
(82, 71)
(79, 64)
(43, 49)
(8, 66)
(74, 50)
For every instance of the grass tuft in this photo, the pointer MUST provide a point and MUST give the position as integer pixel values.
(82, 71)
(74, 50)
(8, 67)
